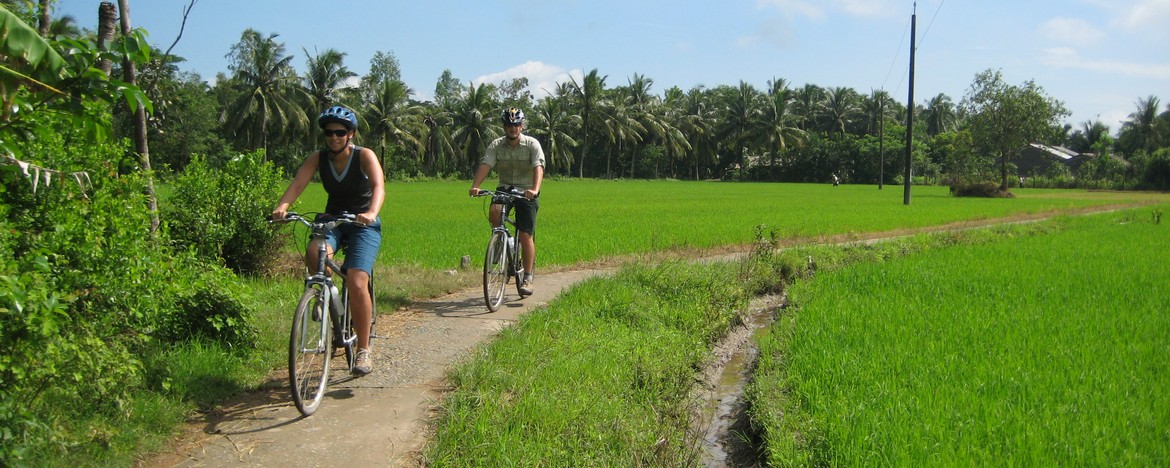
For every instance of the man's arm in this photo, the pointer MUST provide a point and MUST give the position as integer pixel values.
(480, 175)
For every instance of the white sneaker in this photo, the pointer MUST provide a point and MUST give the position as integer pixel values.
(526, 286)
(363, 364)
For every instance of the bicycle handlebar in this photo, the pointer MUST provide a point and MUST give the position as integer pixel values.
(333, 222)
(500, 193)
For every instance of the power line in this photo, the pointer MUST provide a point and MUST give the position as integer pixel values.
(927, 31)
(897, 53)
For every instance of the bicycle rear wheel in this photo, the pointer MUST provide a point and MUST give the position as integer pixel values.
(309, 350)
(495, 271)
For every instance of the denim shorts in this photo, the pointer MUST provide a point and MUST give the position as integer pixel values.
(362, 244)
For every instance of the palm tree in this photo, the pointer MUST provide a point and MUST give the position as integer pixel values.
(589, 97)
(642, 105)
(270, 97)
(554, 122)
(877, 108)
(673, 138)
(474, 122)
(940, 115)
(741, 112)
(807, 105)
(621, 126)
(689, 113)
(1090, 133)
(841, 109)
(392, 120)
(778, 122)
(1140, 132)
(326, 75)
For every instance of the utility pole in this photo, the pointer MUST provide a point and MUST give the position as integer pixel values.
(910, 112)
(882, 141)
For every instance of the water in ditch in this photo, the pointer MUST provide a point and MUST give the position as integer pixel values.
(728, 439)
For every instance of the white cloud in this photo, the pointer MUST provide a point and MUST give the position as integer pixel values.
(1071, 31)
(542, 78)
(1069, 58)
(1151, 15)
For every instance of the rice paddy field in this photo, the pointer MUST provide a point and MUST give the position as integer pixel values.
(1039, 345)
(1041, 350)
(433, 224)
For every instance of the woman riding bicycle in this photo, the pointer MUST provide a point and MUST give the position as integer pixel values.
(353, 179)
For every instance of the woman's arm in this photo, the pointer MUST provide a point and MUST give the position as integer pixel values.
(373, 170)
(298, 184)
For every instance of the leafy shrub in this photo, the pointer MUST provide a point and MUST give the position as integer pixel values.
(1157, 173)
(87, 292)
(221, 213)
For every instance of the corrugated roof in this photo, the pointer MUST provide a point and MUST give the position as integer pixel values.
(1058, 151)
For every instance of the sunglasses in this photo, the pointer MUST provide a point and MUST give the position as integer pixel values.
(335, 133)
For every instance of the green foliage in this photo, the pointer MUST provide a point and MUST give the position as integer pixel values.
(221, 213)
(86, 293)
(1157, 173)
(60, 78)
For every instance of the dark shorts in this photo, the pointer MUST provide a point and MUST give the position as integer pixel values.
(362, 244)
(525, 213)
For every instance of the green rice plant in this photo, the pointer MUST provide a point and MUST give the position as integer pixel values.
(601, 377)
(1042, 350)
(433, 224)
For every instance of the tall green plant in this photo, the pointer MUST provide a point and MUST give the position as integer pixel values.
(221, 213)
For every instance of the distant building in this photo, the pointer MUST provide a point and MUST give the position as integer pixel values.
(1036, 158)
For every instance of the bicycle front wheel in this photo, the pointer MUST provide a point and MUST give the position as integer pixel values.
(495, 271)
(309, 350)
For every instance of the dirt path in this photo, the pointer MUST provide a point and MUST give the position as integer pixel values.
(377, 420)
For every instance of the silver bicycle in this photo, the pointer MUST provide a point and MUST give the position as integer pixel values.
(322, 321)
(503, 259)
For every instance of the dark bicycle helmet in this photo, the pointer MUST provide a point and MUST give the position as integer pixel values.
(513, 116)
(338, 114)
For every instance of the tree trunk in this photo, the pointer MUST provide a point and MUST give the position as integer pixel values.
(46, 19)
(107, 22)
(129, 73)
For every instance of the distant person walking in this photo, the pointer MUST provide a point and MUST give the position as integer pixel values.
(836, 180)
(519, 161)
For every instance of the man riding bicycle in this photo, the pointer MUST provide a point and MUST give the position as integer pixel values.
(519, 161)
(353, 178)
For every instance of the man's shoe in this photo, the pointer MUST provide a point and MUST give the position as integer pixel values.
(363, 364)
(526, 286)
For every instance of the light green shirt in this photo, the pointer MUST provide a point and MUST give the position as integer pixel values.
(514, 165)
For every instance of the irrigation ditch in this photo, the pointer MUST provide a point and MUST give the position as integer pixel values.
(726, 435)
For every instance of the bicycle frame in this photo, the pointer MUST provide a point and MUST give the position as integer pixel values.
(338, 301)
(322, 280)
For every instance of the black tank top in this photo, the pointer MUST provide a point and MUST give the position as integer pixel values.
(350, 191)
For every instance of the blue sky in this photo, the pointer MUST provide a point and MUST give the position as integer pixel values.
(1097, 56)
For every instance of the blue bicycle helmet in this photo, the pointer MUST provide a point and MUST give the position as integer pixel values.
(338, 114)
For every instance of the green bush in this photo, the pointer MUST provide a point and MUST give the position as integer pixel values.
(221, 213)
(87, 292)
